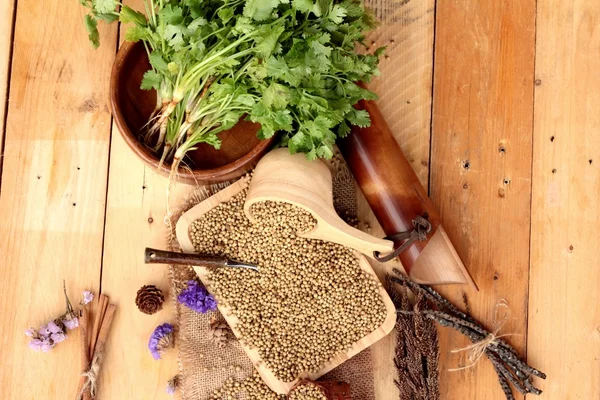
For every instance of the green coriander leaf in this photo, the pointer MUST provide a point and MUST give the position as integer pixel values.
(157, 61)
(174, 35)
(171, 15)
(108, 18)
(244, 25)
(325, 152)
(321, 7)
(380, 51)
(260, 10)
(105, 6)
(197, 23)
(304, 6)
(212, 139)
(265, 132)
(353, 8)
(225, 14)
(92, 27)
(300, 142)
(151, 80)
(276, 96)
(320, 49)
(282, 120)
(311, 155)
(359, 118)
(337, 14)
(343, 130)
(130, 15)
(265, 45)
(136, 33)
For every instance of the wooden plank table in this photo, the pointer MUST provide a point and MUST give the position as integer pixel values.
(494, 103)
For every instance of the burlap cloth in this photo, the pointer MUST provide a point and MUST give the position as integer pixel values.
(204, 366)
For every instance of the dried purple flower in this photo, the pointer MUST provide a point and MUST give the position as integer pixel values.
(196, 297)
(86, 297)
(58, 337)
(173, 384)
(35, 344)
(47, 345)
(32, 333)
(161, 339)
(70, 322)
(54, 328)
(43, 344)
(44, 330)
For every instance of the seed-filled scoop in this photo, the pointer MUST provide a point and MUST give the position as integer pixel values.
(280, 176)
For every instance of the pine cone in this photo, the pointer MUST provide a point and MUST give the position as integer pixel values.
(149, 299)
(220, 333)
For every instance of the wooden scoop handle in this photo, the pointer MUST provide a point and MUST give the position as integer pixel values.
(332, 228)
(154, 256)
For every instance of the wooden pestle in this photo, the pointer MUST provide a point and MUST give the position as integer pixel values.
(396, 197)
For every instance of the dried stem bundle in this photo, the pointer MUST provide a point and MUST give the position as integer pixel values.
(510, 369)
(417, 349)
(93, 344)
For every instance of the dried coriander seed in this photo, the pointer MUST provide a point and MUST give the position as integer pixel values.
(309, 301)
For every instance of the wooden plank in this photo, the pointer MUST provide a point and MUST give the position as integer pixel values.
(136, 206)
(53, 190)
(404, 86)
(564, 317)
(404, 89)
(481, 168)
(135, 219)
(6, 30)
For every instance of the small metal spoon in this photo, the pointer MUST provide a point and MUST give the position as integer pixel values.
(154, 256)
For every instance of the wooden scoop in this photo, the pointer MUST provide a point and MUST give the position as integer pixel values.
(280, 176)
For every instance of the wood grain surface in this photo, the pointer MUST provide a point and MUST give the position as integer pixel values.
(53, 190)
(564, 316)
(404, 86)
(514, 174)
(481, 169)
(6, 31)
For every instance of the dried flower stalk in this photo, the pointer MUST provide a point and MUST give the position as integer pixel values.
(417, 349)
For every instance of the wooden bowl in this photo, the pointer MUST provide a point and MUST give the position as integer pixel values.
(131, 107)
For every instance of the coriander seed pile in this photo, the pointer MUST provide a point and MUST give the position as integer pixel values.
(307, 391)
(251, 388)
(309, 301)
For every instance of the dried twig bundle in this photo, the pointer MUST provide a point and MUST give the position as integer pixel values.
(509, 367)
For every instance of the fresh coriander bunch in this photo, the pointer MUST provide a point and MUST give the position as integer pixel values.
(291, 66)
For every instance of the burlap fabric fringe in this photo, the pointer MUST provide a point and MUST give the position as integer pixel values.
(205, 367)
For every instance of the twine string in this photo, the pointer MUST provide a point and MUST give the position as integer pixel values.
(477, 350)
(91, 376)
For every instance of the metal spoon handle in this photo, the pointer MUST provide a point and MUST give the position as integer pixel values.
(154, 256)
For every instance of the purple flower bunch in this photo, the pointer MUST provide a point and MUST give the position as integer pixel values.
(48, 336)
(196, 297)
(161, 339)
(54, 332)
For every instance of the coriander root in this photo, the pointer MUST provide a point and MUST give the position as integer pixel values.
(310, 301)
